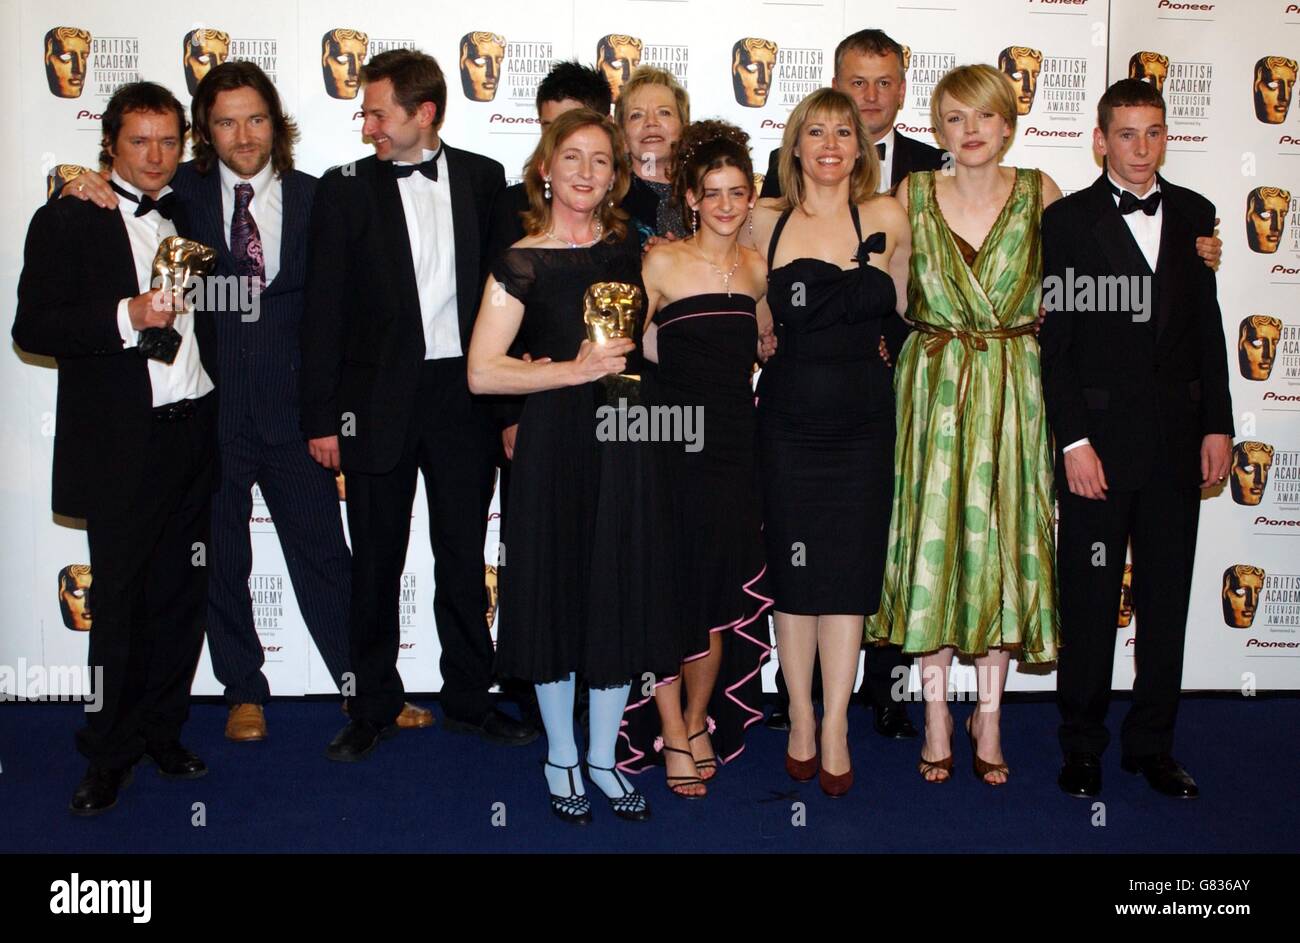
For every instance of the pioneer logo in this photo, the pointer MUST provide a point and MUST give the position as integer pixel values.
(1276, 522)
(913, 128)
(89, 116)
(1287, 139)
(272, 648)
(407, 646)
(1283, 270)
(1032, 132)
(1261, 643)
(1189, 138)
(769, 123)
(1282, 397)
(103, 897)
(513, 119)
(1190, 7)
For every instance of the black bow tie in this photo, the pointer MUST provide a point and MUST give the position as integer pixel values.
(1129, 202)
(165, 206)
(880, 149)
(429, 168)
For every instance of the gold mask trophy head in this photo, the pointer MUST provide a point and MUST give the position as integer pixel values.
(613, 310)
(178, 265)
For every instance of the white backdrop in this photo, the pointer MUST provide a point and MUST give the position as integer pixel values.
(1218, 147)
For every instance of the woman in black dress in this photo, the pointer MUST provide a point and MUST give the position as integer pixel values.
(579, 586)
(652, 110)
(702, 295)
(825, 412)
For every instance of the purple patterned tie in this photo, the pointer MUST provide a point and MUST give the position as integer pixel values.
(245, 241)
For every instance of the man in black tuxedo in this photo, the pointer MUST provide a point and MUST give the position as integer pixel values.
(395, 270)
(135, 442)
(869, 69)
(1137, 396)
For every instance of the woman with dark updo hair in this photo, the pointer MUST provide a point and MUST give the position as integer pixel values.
(703, 294)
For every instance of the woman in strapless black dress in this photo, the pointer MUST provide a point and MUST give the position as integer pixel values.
(826, 414)
(702, 293)
(584, 591)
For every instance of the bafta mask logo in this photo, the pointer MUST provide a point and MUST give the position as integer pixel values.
(74, 596)
(611, 310)
(201, 50)
(1250, 464)
(1266, 209)
(1021, 66)
(490, 581)
(758, 181)
(753, 62)
(1242, 586)
(1149, 67)
(618, 56)
(480, 65)
(342, 54)
(1274, 85)
(60, 176)
(1257, 345)
(1126, 597)
(67, 53)
(907, 59)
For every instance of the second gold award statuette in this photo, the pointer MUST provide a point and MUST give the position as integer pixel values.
(176, 265)
(610, 310)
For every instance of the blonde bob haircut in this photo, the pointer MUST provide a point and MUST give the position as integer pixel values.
(537, 218)
(827, 104)
(975, 86)
(647, 75)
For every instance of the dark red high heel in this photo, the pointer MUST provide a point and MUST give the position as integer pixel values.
(802, 771)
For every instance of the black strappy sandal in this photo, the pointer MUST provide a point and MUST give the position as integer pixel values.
(676, 782)
(573, 808)
(709, 762)
(631, 806)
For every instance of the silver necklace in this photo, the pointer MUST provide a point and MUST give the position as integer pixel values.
(725, 276)
(599, 230)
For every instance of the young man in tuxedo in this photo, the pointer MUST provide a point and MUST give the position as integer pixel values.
(135, 442)
(1137, 397)
(869, 69)
(396, 264)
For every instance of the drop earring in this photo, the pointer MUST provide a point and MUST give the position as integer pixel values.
(546, 192)
(695, 222)
(751, 222)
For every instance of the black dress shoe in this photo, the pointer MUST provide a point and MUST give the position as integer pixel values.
(358, 740)
(1081, 775)
(892, 722)
(1164, 774)
(97, 791)
(777, 720)
(176, 762)
(496, 727)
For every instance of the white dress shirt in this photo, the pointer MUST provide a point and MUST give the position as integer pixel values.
(184, 377)
(266, 208)
(427, 206)
(1146, 233)
(886, 163)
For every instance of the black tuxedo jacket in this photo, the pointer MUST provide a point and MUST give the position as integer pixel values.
(909, 155)
(77, 266)
(1144, 392)
(362, 335)
(259, 359)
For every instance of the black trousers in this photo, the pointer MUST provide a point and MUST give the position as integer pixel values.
(878, 678)
(149, 582)
(302, 499)
(450, 442)
(1162, 523)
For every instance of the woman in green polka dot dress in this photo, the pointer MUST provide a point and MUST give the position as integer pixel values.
(970, 566)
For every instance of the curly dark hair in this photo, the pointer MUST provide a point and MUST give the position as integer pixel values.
(707, 146)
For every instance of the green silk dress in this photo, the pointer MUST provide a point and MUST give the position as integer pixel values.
(971, 542)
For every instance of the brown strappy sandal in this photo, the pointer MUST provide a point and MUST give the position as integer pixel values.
(984, 767)
(676, 783)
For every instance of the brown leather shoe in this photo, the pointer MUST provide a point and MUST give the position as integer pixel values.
(246, 722)
(411, 717)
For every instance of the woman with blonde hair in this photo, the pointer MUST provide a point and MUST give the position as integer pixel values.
(584, 591)
(825, 411)
(652, 111)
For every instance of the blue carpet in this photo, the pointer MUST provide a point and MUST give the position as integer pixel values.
(429, 790)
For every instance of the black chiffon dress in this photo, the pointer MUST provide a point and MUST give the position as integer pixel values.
(584, 584)
(707, 348)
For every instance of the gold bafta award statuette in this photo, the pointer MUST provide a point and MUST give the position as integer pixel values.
(610, 310)
(177, 264)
